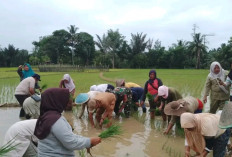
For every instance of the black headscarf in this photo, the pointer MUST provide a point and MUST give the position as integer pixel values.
(152, 80)
(53, 103)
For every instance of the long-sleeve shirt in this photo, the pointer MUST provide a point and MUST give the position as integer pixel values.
(137, 93)
(192, 106)
(216, 93)
(22, 133)
(61, 141)
(160, 83)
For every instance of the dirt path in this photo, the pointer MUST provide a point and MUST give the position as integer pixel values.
(105, 78)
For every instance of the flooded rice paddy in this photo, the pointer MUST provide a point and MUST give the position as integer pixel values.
(141, 136)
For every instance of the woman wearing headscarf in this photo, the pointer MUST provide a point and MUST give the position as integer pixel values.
(151, 87)
(27, 72)
(68, 83)
(203, 134)
(218, 93)
(166, 95)
(52, 129)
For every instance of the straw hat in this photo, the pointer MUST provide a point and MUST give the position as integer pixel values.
(176, 108)
(82, 98)
(226, 116)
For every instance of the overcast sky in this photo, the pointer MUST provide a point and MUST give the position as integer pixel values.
(24, 21)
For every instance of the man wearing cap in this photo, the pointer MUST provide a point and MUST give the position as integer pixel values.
(25, 89)
(176, 108)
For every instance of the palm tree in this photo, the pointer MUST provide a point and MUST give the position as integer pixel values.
(110, 43)
(138, 43)
(73, 40)
(197, 47)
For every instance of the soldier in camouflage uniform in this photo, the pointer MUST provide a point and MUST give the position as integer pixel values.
(123, 94)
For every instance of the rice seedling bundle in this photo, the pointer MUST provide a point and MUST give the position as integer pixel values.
(113, 130)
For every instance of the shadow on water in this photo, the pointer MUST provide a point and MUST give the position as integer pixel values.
(141, 137)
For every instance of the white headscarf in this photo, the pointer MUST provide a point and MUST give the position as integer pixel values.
(220, 75)
(70, 85)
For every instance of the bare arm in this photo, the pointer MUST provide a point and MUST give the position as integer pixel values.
(31, 91)
(91, 119)
(82, 110)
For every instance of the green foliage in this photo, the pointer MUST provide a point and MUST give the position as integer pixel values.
(82, 153)
(9, 146)
(112, 131)
(106, 121)
(44, 86)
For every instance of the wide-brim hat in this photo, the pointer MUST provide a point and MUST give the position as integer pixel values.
(82, 98)
(226, 116)
(175, 108)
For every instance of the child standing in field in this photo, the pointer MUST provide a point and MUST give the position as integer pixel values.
(68, 83)
(151, 87)
(218, 93)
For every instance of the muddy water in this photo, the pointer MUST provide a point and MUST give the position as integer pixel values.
(141, 137)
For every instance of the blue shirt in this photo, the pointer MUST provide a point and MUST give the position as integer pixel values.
(61, 141)
(137, 93)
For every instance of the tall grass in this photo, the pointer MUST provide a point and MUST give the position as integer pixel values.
(7, 94)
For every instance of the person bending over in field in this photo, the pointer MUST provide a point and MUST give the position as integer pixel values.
(102, 87)
(68, 83)
(166, 95)
(176, 108)
(123, 95)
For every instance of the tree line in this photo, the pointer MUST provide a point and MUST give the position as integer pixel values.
(111, 49)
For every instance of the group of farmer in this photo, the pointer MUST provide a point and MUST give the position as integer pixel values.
(204, 132)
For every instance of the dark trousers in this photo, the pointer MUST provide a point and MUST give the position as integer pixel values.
(21, 99)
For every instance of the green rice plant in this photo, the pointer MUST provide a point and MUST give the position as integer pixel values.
(7, 94)
(44, 86)
(106, 121)
(111, 131)
(82, 153)
(6, 148)
(179, 130)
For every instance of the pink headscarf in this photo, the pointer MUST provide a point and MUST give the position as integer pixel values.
(163, 91)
